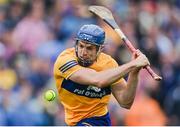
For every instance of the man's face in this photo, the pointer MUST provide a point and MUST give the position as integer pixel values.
(86, 51)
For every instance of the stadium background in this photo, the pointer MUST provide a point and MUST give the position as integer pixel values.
(34, 32)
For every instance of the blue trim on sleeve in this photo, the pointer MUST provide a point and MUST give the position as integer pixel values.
(68, 65)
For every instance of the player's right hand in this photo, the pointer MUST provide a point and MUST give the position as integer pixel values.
(140, 59)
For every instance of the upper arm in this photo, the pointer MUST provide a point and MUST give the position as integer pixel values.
(118, 88)
(68, 68)
(117, 91)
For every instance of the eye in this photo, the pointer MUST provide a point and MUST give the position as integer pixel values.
(81, 46)
(89, 48)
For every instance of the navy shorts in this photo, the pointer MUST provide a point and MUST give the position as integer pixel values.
(96, 121)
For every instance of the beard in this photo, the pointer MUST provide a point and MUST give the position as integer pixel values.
(85, 63)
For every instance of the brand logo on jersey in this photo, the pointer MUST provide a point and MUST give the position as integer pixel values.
(90, 93)
(96, 89)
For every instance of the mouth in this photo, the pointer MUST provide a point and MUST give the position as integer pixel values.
(84, 58)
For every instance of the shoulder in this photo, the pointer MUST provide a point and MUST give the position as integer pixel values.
(66, 64)
(69, 52)
(107, 60)
(66, 56)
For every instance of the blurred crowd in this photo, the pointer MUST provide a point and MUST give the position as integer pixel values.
(34, 32)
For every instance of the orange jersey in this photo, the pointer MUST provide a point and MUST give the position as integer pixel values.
(81, 101)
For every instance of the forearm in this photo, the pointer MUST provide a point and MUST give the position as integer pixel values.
(110, 76)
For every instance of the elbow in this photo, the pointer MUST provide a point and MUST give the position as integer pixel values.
(127, 106)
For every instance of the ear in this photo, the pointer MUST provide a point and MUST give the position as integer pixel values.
(102, 47)
(100, 50)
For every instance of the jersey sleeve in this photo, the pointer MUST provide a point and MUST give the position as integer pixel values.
(65, 66)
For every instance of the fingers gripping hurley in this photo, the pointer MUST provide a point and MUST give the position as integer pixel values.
(107, 16)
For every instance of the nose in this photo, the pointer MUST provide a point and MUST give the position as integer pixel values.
(84, 52)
